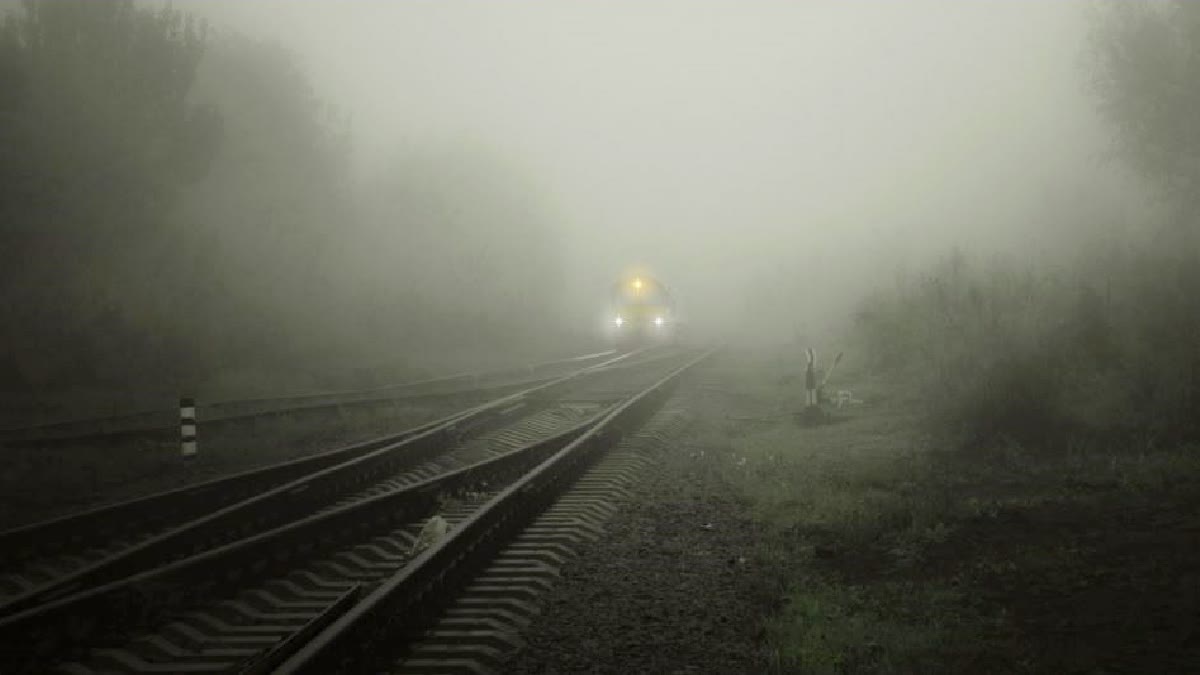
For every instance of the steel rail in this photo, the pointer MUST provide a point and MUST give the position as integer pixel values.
(428, 386)
(287, 501)
(101, 614)
(163, 422)
(368, 632)
(166, 429)
(97, 525)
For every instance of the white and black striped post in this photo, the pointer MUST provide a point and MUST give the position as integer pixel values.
(187, 427)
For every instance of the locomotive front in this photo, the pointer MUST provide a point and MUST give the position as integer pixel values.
(642, 312)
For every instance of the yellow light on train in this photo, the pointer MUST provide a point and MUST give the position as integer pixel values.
(637, 284)
(619, 321)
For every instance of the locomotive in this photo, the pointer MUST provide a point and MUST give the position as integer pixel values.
(642, 312)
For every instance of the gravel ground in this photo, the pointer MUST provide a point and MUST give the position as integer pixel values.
(675, 585)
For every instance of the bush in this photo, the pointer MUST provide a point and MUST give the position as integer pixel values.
(1100, 351)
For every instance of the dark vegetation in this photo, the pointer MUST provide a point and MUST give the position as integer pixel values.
(175, 207)
(1098, 346)
(899, 553)
(1019, 491)
(1101, 353)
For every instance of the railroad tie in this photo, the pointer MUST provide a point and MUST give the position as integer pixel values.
(481, 628)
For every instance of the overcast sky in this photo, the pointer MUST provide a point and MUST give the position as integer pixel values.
(717, 142)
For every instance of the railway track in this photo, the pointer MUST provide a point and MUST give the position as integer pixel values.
(48, 560)
(453, 608)
(480, 625)
(249, 605)
(236, 414)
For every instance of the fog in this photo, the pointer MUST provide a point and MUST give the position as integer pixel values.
(376, 178)
(369, 292)
(754, 153)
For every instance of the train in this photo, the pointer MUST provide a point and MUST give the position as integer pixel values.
(641, 312)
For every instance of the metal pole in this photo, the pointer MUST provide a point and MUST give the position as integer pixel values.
(810, 379)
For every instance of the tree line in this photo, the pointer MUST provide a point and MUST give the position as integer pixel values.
(1103, 347)
(176, 203)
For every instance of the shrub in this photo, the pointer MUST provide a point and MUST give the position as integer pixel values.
(1102, 350)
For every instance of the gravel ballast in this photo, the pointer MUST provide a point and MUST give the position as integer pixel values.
(674, 585)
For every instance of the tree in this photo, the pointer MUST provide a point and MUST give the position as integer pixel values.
(268, 213)
(1146, 78)
(96, 109)
(98, 135)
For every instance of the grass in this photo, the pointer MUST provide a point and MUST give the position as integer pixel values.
(832, 498)
(884, 628)
(906, 554)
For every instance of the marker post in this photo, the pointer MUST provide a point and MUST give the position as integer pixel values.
(187, 427)
(810, 379)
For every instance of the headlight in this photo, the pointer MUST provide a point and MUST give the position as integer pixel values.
(658, 321)
(619, 321)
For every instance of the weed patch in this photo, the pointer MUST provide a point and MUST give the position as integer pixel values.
(890, 627)
(906, 554)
